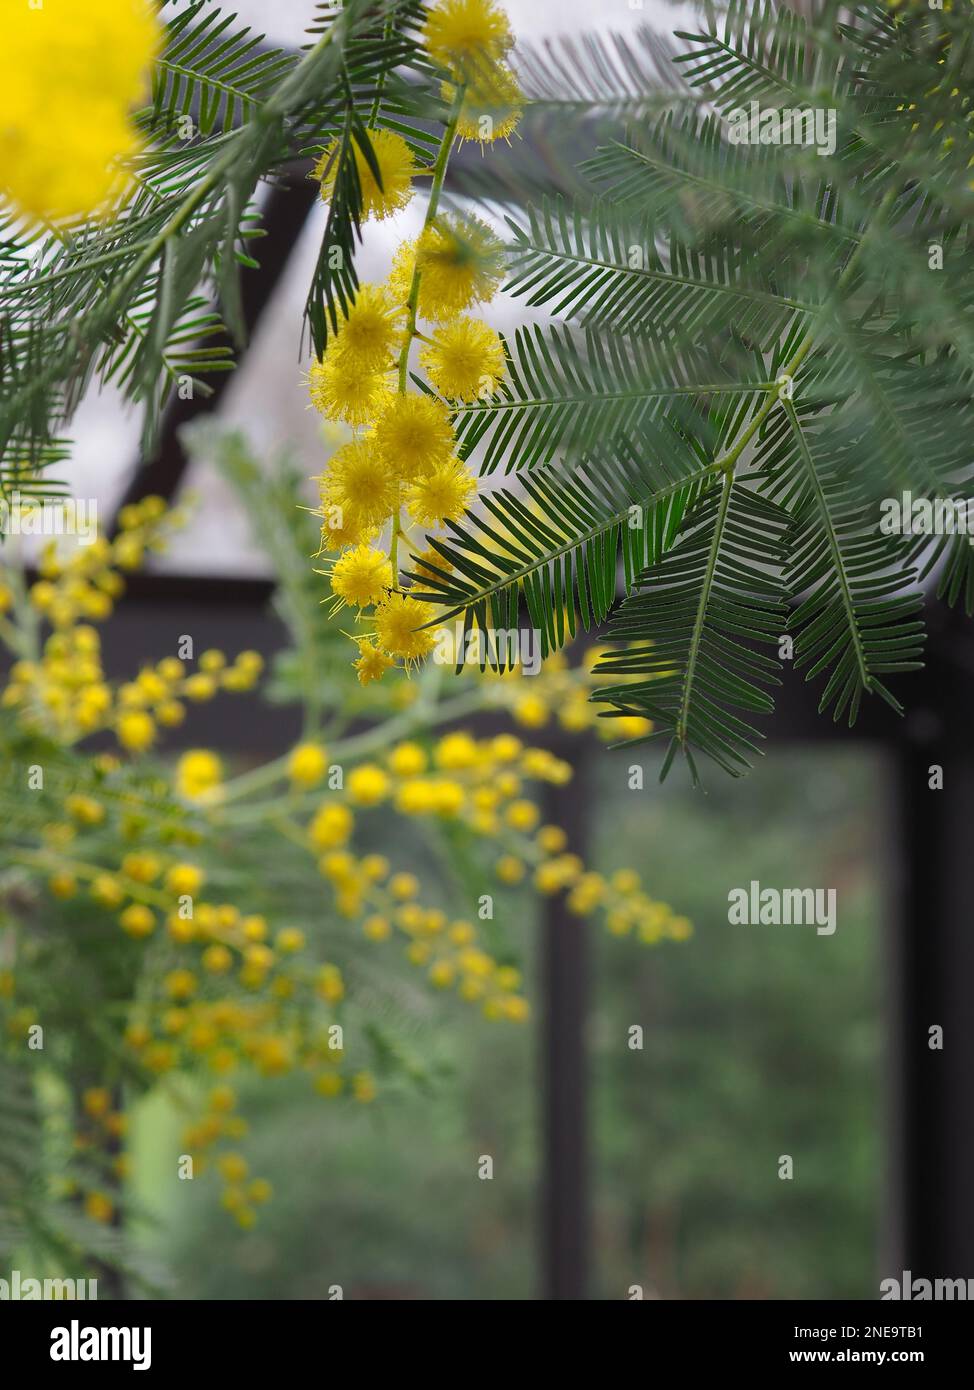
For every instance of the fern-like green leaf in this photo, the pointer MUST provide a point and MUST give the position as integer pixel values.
(856, 618)
(693, 629)
(212, 72)
(558, 538)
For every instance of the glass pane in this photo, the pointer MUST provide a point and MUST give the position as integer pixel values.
(759, 1041)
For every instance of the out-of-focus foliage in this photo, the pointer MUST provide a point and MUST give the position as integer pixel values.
(758, 1041)
(190, 927)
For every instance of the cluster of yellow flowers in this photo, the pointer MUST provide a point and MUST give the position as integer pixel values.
(70, 75)
(365, 887)
(85, 580)
(399, 469)
(471, 39)
(189, 1018)
(223, 991)
(65, 692)
(560, 698)
(278, 1016)
(480, 784)
(100, 1127)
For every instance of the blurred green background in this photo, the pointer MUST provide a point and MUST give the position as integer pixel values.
(759, 1041)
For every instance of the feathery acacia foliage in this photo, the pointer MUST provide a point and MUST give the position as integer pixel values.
(682, 626)
(781, 328)
(788, 320)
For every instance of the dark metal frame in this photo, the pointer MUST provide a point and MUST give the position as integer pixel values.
(930, 1218)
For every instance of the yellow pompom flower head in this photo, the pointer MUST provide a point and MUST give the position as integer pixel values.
(70, 76)
(198, 775)
(400, 627)
(343, 527)
(443, 495)
(491, 105)
(413, 436)
(393, 161)
(465, 362)
(307, 764)
(371, 664)
(463, 34)
(136, 731)
(370, 334)
(361, 577)
(358, 482)
(352, 397)
(460, 263)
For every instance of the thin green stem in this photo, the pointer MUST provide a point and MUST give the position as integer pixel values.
(699, 621)
(9, 635)
(381, 83)
(257, 779)
(412, 302)
(51, 861)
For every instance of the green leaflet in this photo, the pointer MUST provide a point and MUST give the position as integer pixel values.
(694, 274)
(691, 628)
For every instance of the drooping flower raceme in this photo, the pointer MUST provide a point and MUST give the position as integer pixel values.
(401, 469)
